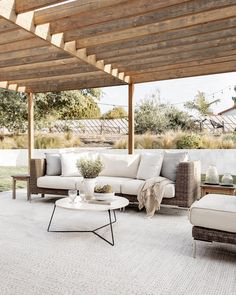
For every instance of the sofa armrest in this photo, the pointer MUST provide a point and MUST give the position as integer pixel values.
(188, 178)
(37, 169)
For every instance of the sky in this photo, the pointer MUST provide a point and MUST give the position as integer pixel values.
(177, 91)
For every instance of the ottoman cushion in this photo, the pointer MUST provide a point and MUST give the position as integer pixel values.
(215, 211)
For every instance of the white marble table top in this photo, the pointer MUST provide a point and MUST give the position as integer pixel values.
(119, 202)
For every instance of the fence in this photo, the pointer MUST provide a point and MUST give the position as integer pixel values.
(91, 126)
(219, 123)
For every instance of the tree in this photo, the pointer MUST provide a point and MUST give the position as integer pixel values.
(68, 104)
(155, 117)
(115, 113)
(201, 104)
(48, 107)
(149, 118)
(13, 111)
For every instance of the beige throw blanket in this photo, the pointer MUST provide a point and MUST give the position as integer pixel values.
(152, 193)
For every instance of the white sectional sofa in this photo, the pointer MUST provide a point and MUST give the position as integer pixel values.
(57, 173)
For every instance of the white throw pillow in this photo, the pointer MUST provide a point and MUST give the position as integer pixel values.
(69, 163)
(120, 165)
(171, 162)
(150, 166)
(53, 167)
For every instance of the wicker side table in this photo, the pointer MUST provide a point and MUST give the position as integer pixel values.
(20, 177)
(217, 189)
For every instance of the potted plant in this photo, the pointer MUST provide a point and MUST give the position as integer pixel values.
(89, 169)
(104, 192)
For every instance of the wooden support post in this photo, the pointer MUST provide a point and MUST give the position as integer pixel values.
(30, 127)
(131, 119)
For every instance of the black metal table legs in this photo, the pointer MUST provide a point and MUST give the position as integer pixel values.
(112, 243)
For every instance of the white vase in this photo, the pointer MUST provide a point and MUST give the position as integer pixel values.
(89, 185)
(212, 175)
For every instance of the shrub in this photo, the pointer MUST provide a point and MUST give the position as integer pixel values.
(90, 168)
(189, 141)
(49, 141)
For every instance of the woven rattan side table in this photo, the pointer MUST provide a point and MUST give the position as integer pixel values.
(217, 189)
(20, 177)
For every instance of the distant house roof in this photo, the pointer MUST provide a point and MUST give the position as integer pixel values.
(226, 111)
(232, 108)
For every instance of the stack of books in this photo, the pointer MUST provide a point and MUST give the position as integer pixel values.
(105, 202)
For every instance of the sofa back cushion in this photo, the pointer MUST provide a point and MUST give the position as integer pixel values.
(120, 165)
(53, 167)
(171, 162)
(69, 161)
(150, 166)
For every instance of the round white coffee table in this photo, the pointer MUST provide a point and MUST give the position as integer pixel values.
(119, 202)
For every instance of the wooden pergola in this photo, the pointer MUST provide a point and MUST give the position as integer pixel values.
(49, 45)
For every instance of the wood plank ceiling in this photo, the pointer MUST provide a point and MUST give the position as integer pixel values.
(49, 45)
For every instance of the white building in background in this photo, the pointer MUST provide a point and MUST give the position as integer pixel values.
(231, 111)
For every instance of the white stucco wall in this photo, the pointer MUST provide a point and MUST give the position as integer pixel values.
(225, 160)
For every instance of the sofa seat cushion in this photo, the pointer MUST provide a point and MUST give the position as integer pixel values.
(132, 186)
(215, 211)
(169, 192)
(115, 182)
(58, 182)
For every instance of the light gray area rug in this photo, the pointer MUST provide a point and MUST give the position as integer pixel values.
(150, 256)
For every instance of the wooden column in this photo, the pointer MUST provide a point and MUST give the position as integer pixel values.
(131, 119)
(30, 127)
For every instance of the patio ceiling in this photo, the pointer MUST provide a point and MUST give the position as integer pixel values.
(91, 43)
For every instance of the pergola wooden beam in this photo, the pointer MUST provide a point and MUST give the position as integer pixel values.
(67, 85)
(162, 26)
(51, 79)
(145, 63)
(208, 69)
(173, 35)
(28, 59)
(50, 14)
(28, 5)
(30, 97)
(26, 22)
(175, 50)
(131, 118)
(187, 64)
(85, 29)
(44, 69)
(191, 41)
(104, 14)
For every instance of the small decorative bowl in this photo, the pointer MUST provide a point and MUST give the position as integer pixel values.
(104, 196)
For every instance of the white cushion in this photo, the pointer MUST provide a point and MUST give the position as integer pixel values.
(132, 187)
(170, 163)
(59, 182)
(120, 165)
(150, 166)
(68, 163)
(53, 166)
(169, 191)
(215, 211)
(115, 182)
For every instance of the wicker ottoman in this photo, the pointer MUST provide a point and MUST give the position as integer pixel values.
(214, 219)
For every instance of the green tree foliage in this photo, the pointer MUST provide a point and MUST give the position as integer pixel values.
(154, 117)
(115, 113)
(201, 104)
(48, 107)
(13, 111)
